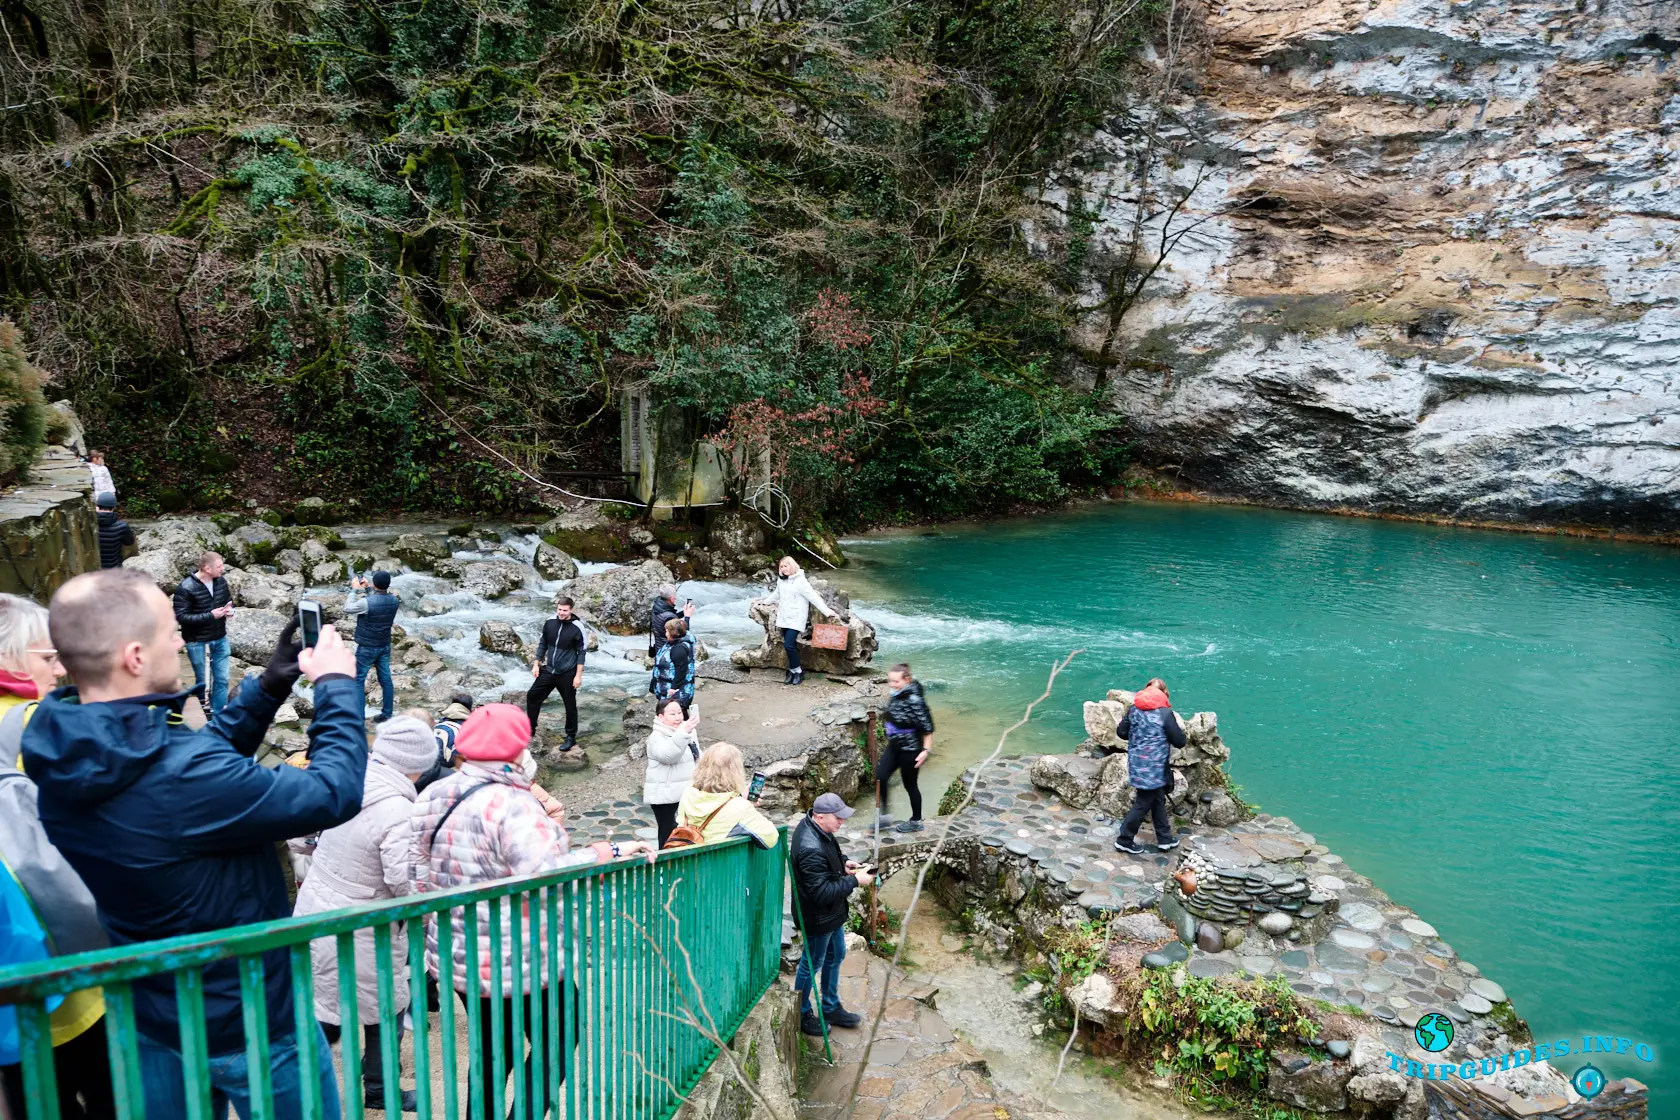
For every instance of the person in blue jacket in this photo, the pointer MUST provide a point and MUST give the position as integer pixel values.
(174, 829)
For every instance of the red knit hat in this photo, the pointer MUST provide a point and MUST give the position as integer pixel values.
(494, 733)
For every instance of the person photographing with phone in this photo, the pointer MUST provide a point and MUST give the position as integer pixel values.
(375, 613)
(173, 829)
(663, 611)
(559, 668)
(824, 879)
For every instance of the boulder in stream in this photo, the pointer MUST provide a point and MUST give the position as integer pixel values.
(487, 579)
(499, 637)
(161, 565)
(418, 551)
(252, 633)
(551, 563)
(619, 600)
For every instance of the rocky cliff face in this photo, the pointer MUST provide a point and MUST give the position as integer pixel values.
(1434, 263)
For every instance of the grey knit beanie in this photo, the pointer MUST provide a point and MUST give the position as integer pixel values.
(406, 744)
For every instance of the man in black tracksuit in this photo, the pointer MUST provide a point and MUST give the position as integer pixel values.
(558, 667)
(909, 739)
(823, 879)
(115, 535)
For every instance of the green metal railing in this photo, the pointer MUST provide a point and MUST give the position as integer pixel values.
(637, 970)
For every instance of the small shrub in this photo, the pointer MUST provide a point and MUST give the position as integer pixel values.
(23, 410)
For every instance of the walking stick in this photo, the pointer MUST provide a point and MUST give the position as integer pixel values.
(869, 739)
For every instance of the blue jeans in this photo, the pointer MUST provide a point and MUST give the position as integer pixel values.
(790, 642)
(376, 657)
(163, 1075)
(823, 954)
(218, 653)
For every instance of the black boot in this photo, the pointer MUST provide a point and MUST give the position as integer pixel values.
(373, 1074)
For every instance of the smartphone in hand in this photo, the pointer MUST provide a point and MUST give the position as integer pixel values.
(756, 787)
(309, 622)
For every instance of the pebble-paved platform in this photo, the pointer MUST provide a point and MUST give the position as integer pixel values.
(1378, 956)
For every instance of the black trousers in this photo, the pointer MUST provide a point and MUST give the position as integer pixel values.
(665, 816)
(905, 763)
(83, 1069)
(546, 683)
(490, 1011)
(373, 1056)
(1149, 802)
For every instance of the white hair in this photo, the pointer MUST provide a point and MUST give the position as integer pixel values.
(23, 626)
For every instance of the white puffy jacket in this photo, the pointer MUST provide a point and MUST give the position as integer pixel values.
(365, 858)
(671, 753)
(794, 598)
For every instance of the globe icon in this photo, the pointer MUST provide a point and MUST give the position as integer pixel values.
(1588, 1081)
(1434, 1032)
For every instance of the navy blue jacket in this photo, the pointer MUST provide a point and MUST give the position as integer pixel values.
(173, 830)
(373, 622)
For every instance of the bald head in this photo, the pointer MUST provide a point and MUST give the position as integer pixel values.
(115, 633)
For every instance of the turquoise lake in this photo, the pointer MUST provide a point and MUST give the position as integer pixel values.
(1487, 724)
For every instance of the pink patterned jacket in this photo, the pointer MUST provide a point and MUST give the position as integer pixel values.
(498, 831)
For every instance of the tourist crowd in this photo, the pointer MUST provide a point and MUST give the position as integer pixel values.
(133, 809)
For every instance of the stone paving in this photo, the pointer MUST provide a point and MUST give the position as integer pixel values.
(917, 1067)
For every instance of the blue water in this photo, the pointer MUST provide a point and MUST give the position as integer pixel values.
(1487, 724)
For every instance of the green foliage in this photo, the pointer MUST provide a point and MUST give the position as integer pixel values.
(23, 410)
(1210, 1031)
(952, 797)
(406, 223)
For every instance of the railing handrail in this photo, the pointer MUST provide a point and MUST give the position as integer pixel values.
(62, 975)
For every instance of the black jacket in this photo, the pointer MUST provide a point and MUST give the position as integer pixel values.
(908, 718)
(563, 646)
(820, 877)
(114, 536)
(193, 604)
(663, 611)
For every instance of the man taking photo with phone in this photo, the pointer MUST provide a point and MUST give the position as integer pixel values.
(173, 829)
(375, 614)
(824, 879)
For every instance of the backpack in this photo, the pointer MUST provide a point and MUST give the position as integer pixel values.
(23, 940)
(686, 835)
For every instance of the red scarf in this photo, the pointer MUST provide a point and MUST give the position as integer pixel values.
(15, 684)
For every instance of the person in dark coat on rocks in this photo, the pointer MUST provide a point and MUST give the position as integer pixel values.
(174, 830)
(673, 669)
(559, 667)
(664, 609)
(909, 742)
(375, 614)
(824, 880)
(116, 536)
(202, 605)
(1151, 730)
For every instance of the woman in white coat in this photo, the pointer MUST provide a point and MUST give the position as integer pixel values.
(364, 859)
(794, 599)
(672, 750)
